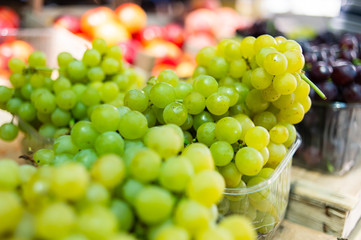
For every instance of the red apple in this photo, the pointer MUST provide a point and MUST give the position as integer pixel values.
(164, 51)
(131, 16)
(185, 69)
(71, 23)
(201, 20)
(112, 32)
(231, 21)
(175, 34)
(160, 67)
(21, 50)
(96, 17)
(197, 41)
(150, 33)
(129, 49)
(8, 18)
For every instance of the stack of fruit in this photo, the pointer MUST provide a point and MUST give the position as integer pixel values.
(156, 149)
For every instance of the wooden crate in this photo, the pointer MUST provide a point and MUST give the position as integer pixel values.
(327, 203)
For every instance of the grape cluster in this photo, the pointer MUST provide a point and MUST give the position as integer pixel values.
(333, 63)
(51, 106)
(136, 189)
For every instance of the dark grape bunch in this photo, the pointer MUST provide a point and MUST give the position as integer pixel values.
(333, 63)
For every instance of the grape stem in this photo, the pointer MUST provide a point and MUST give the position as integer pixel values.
(317, 90)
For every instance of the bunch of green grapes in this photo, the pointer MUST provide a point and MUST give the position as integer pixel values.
(52, 105)
(99, 184)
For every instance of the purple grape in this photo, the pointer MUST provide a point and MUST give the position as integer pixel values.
(329, 89)
(320, 71)
(348, 41)
(348, 54)
(343, 73)
(352, 93)
(310, 57)
(358, 74)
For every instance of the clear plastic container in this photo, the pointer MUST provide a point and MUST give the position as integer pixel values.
(331, 134)
(265, 203)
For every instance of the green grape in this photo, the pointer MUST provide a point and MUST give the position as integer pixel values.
(175, 113)
(37, 80)
(218, 67)
(188, 138)
(242, 90)
(228, 129)
(292, 134)
(47, 130)
(105, 118)
(153, 204)
(109, 142)
(122, 81)
(222, 153)
(62, 159)
(162, 94)
(263, 41)
(44, 118)
(265, 119)
(96, 74)
(123, 213)
(260, 79)
(302, 90)
(205, 55)
(276, 153)
(133, 125)
(188, 124)
(265, 154)
(109, 91)
(175, 173)
(87, 157)
(130, 189)
(168, 76)
(265, 173)
(182, 90)
(270, 94)
(285, 84)
(199, 70)
(231, 175)
(172, 232)
(164, 140)
(200, 156)
(239, 227)
(295, 59)
(221, 46)
(100, 45)
(279, 134)
(61, 84)
(70, 181)
(249, 161)
(215, 233)
(56, 220)
(192, 216)
(6, 94)
(9, 175)
(306, 103)
(45, 102)
(246, 79)
(64, 58)
(91, 57)
(26, 172)
(280, 39)
(293, 114)
(232, 51)
(206, 133)
(265, 222)
(97, 222)
(255, 102)
(17, 80)
(201, 118)
(219, 117)
(145, 166)
(96, 85)
(217, 104)
(44, 156)
(8, 132)
(231, 93)
(84, 134)
(108, 170)
(76, 70)
(276, 63)
(79, 111)
(158, 112)
(257, 137)
(151, 117)
(60, 118)
(114, 52)
(136, 100)
(13, 105)
(289, 45)
(66, 99)
(284, 101)
(110, 66)
(10, 212)
(26, 90)
(247, 47)
(194, 102)
(37, 59)
(227, 81)
(27, 112)
(205, 85)
(261, 55)
(97, 193)
(16, 65)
